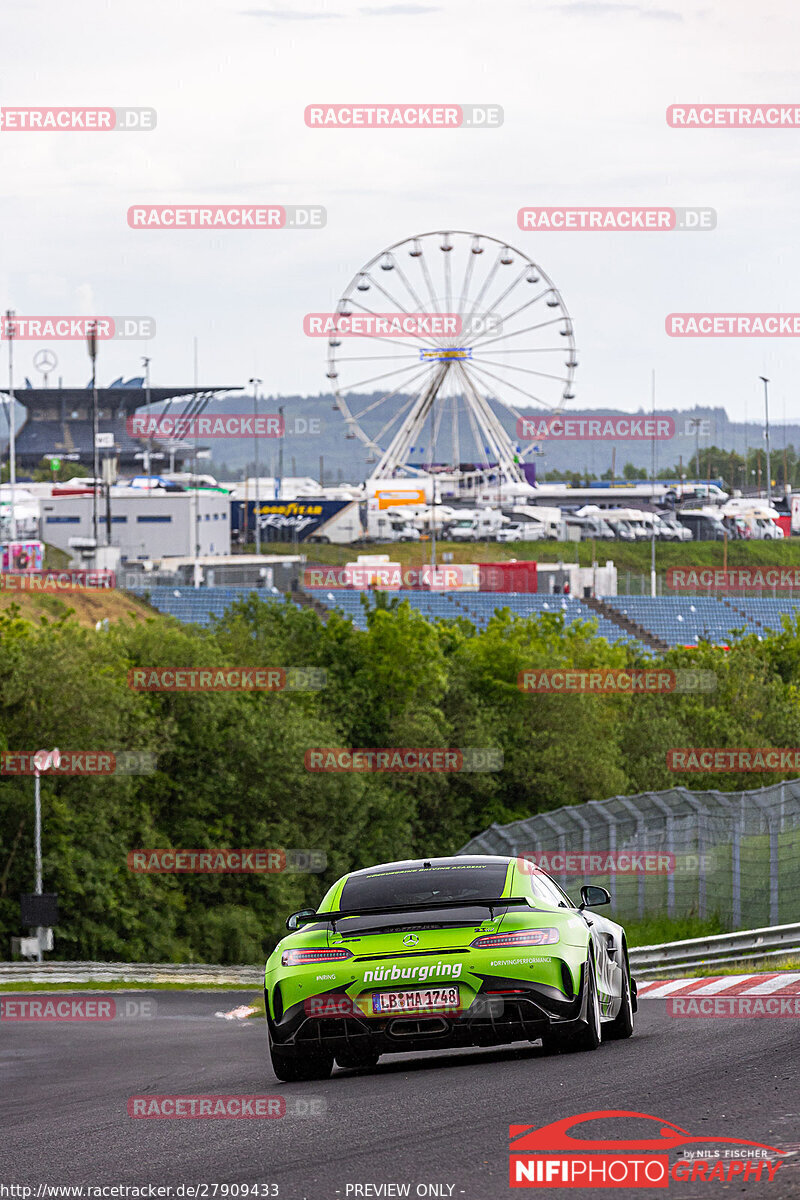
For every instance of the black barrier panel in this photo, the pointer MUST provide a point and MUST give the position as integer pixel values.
(38, 911)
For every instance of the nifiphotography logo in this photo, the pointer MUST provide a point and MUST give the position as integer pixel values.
(553, 1157)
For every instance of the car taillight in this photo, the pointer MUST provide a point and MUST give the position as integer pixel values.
(521, 937)
(298, 958)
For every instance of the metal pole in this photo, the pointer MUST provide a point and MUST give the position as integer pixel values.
(108, 472)
(765, 381)
(653, 473)
(149, 448)
(255, 383)
(433, 528)
(279, 487)
(12, 445)
(92, 340)
(37, 811)
(37, 833)
(196, 565)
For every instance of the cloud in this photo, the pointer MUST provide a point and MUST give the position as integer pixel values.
(585, 8)
(288, 14)
(400, 10)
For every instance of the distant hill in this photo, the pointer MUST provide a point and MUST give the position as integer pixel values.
(346, 458)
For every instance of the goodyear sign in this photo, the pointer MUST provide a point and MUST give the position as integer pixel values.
(286, 520)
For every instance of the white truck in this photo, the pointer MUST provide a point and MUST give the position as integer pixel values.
(476, 525)
(550, 518)
(390, 525)
(760, 518)
(521, 531)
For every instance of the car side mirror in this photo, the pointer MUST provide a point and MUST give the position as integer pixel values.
(303, 916)
(592, 896)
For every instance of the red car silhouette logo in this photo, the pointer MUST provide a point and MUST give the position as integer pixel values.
(556, 1136)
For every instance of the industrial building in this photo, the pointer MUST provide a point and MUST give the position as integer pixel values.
(144, 525)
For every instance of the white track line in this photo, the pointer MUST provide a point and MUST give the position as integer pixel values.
(237, 1014)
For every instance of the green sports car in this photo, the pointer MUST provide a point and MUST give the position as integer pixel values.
(477, 950)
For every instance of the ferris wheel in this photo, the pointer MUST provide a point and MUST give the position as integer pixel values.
(436, 347)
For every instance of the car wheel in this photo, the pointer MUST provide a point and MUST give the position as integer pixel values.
(622, 1025)
(300, 1063)
(357, 1060)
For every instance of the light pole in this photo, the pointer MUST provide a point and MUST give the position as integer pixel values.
(42, 761)
(255, 382)
(92, 345)
(148, 451)
(696, 423)
(653, 500)
(281, 432)
(765, 381)
(12, 445)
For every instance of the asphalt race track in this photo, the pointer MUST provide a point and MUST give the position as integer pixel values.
(440, 1119)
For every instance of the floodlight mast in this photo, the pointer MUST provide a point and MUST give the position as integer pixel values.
(91, 342)
(12, 445)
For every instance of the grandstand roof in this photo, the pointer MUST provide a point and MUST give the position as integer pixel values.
(51, 428)
(120, 397)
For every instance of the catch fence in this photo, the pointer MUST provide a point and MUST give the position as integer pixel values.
(675, 853)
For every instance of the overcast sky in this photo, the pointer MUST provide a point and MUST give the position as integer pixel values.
(584, 86)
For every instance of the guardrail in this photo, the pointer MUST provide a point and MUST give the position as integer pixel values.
(771, 942)
(95, 972)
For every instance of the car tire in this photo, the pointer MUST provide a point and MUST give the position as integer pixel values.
(622, 1025)
(300, 1063)
(355, 1060)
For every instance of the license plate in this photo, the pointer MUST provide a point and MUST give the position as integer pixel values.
(420, 1000)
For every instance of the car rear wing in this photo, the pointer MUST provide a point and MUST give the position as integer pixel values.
(420, 906)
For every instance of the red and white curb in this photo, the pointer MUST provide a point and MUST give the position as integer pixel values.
(786, 983)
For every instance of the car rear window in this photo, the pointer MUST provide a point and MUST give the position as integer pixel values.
(423, 885)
